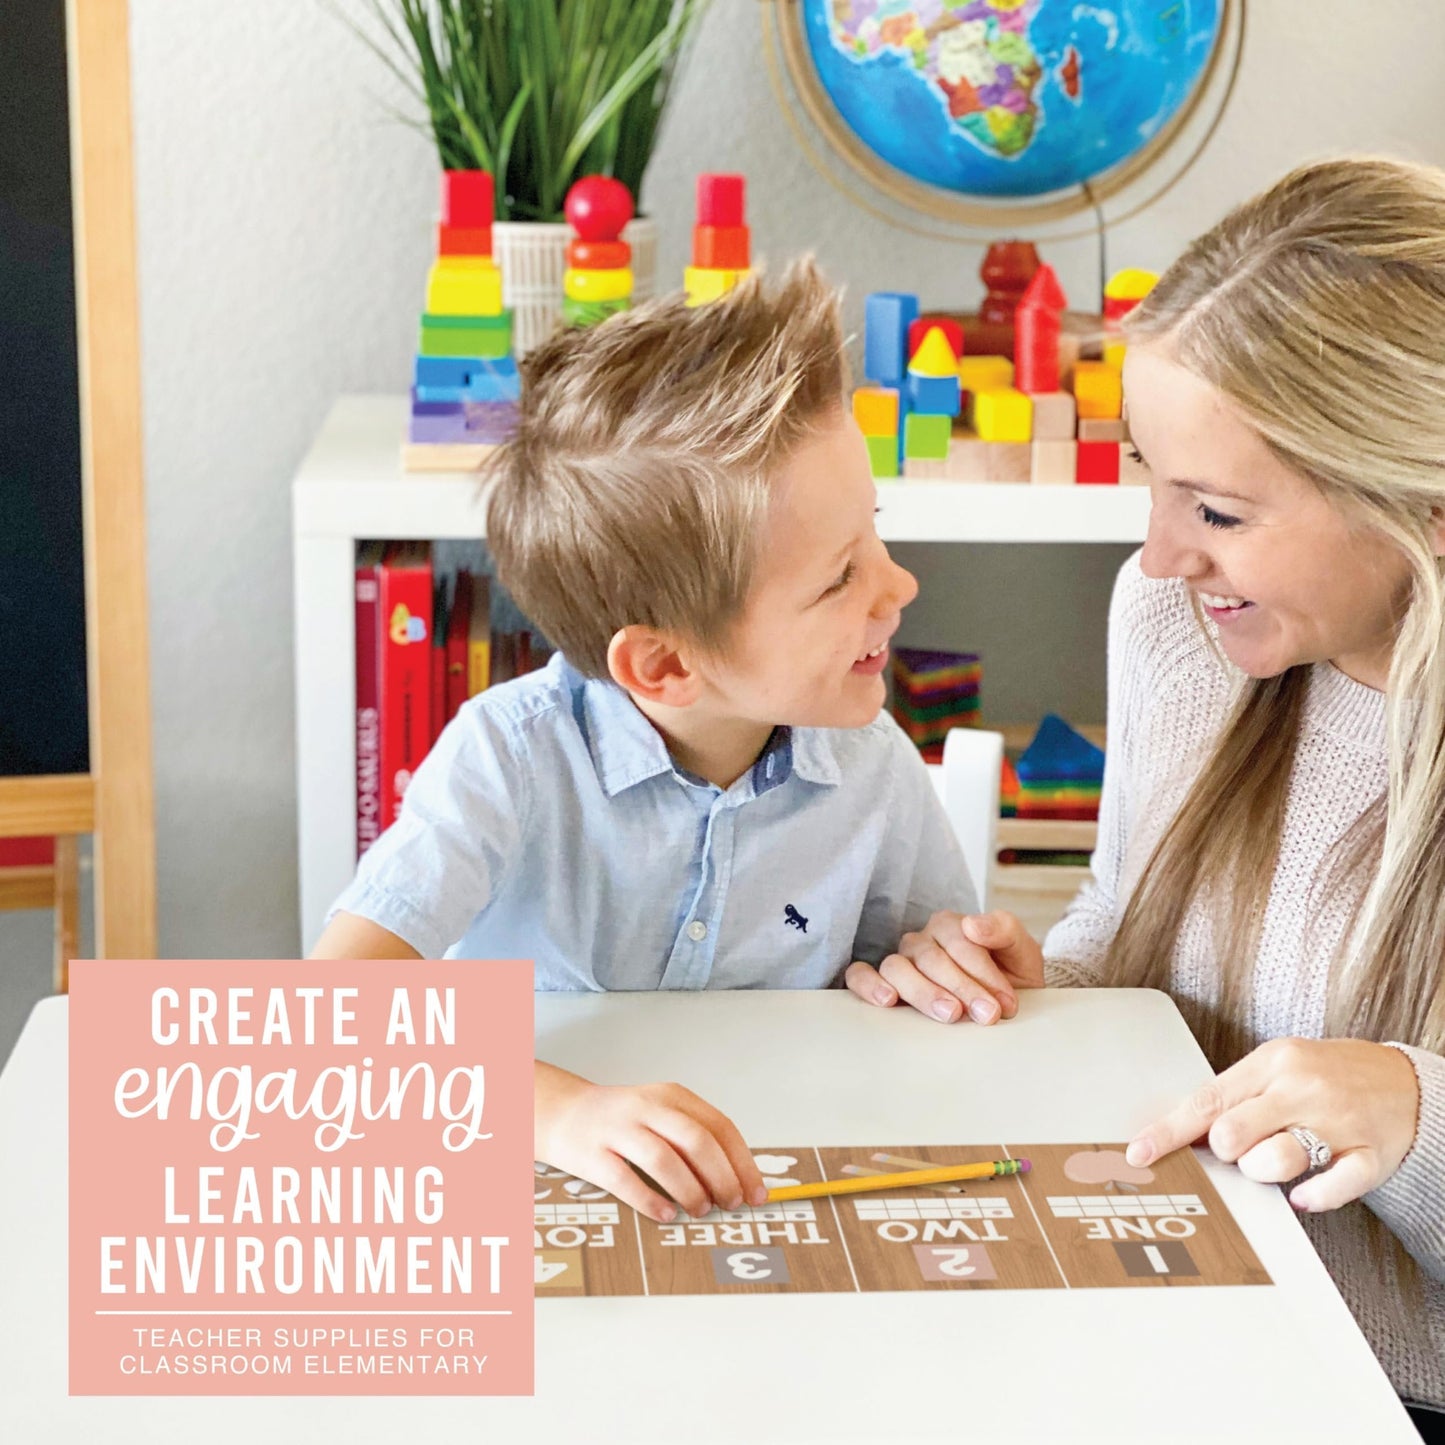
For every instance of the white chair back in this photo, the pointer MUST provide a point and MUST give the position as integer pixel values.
(967, 782)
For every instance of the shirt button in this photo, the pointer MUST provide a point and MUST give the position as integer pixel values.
(697, 930)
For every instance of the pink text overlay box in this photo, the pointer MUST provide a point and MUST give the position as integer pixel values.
(310, 1262)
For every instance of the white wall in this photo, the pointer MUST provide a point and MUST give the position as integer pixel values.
(284, 226)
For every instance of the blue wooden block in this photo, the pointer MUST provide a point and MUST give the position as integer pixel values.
(886, 318)
(937, 395)
(494, 380)
(450, 371)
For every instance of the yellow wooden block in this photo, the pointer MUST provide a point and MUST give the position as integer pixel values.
(459, 286)
(610, 285)
(985, 373)
(934, 356)
(875, 409)
(1002, 414)
(1114, 354)
(1130, 284)
(1098, 389)
(706, 283)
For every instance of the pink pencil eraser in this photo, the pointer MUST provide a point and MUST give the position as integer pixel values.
(1024, 1166)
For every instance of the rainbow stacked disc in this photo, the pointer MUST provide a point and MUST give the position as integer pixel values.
(1061, 774)
(933, 692)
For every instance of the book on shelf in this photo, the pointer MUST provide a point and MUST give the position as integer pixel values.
(405, 671)
(458, 631)
(479, 637)
(437, 674)
(368, 694)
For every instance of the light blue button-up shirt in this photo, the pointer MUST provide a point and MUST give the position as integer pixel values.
(549, 822)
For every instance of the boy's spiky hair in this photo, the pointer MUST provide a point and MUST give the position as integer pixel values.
(635, 489)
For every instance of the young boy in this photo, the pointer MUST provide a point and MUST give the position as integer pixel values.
(701, 789)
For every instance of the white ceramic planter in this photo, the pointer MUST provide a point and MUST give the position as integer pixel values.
(533, 255)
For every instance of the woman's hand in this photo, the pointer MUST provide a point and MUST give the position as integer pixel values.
(1360, 1098)
(957, 962)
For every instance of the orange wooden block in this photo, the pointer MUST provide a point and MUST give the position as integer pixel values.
(875, 409)
(464, 240)
(1098, 390)
(598, 255)
(721, 248)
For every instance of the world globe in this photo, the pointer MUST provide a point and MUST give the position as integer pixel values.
(1003, 99)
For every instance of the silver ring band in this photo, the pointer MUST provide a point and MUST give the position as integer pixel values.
(1320, 1153)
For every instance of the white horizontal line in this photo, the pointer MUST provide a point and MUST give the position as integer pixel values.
(271, 1314)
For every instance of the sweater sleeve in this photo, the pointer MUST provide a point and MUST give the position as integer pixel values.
(1409, 1201)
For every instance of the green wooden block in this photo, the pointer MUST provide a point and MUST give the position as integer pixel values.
(484, 336)
(883, 455)
(589, 313)
(925, 436)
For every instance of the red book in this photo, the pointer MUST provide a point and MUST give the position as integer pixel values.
(459, 621)
(405, 598)
(438, 658)
(368, 692)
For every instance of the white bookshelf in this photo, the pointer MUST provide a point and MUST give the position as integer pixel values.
(351, 487)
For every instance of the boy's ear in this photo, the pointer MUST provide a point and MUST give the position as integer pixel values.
(650, 665)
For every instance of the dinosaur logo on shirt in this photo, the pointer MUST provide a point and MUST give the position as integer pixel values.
(794, 919)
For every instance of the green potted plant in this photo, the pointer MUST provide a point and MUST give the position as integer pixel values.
(540, 92)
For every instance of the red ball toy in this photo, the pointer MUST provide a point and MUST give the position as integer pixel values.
(598, 207)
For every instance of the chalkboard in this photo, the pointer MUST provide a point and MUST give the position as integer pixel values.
(43, 709)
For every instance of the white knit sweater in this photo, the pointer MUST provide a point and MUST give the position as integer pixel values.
(1169, 693)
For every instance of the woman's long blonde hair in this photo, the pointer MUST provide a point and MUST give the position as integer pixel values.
(1318, 309)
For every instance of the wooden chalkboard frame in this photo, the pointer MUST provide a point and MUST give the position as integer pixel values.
(114, 801)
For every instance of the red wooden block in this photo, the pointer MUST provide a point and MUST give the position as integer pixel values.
(952, 330)
(598, 255)
(721, 248)
(464, 240)
(720, 200)
(1098, 463)
(467, 198)
(1036, 349)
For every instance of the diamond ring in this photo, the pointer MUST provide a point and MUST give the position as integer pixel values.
(1319, 1152)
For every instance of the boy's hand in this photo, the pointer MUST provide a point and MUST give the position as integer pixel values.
(599, 1131)
(956, 963)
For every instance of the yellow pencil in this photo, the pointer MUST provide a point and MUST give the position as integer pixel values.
(945, 1174)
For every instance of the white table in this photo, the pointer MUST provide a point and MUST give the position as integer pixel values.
(1244, 1364)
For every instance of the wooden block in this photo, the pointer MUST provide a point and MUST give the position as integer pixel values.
(1098, 391)
(926, 469)
(721, 248)
(1008, 461)
(464, 240)
(883, 455)
(1002, 414)
(464, 286)
(926, 435)
(1054, 463)
(1098, 463)
(720, 200)
(952, 333)
(875, 409)
(468, 199)
(455, 457)
(967, 458)
(613, 285)
(1055, 417)
(1132, 471)
(1102, 429)
(598, 255)
(704, 284)
(978, 373)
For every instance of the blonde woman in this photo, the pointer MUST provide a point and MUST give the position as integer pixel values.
(1272, 833)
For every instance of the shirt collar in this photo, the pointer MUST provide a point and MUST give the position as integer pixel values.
(626, 749)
